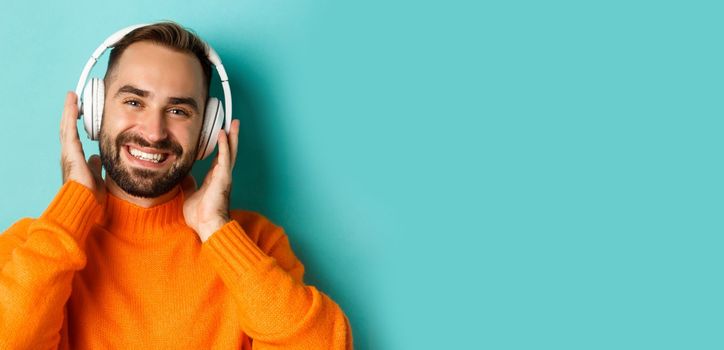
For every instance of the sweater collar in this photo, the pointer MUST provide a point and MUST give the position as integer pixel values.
(136, 223)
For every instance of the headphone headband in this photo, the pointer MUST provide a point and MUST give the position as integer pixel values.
(117, 36)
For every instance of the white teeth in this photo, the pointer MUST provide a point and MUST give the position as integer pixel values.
(155, 158)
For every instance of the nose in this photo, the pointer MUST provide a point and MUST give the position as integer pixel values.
(153, 126)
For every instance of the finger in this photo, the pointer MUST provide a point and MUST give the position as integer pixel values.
(68, 124)
(212, 170)
(188, 185)
(234, 141)
(223, 155)
(71, 148)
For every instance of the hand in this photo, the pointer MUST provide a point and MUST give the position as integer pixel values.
(72, 157)
(206, 210)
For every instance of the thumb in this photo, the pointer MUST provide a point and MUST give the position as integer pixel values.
(94, 163)
(188, 185)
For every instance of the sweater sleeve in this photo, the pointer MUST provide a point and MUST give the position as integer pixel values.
(38, 259)
(277, 310)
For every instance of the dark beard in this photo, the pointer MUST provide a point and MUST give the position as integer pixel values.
(143, 183)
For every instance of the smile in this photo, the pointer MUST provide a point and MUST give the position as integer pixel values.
(146, 157)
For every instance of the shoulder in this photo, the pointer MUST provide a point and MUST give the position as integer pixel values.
(20, 227)
(14, 236)
(271, 239)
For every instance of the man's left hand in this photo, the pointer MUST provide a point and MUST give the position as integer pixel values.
(206, 210)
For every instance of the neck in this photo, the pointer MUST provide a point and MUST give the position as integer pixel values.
(115, 190)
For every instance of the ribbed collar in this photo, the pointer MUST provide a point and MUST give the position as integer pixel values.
(138, 224)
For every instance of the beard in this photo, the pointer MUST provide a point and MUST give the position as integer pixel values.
(144, 183)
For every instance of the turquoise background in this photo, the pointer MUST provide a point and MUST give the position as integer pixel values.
(456, 175)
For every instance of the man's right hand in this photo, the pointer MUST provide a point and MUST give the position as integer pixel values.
(72, 157)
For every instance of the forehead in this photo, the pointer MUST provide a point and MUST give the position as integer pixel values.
(160, 70)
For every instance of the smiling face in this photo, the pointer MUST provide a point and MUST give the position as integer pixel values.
(152, 118)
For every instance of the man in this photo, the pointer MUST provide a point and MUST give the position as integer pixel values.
(143, 259)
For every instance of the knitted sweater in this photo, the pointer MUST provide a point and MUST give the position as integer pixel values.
(124, 277)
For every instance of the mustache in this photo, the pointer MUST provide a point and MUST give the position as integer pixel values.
(166, 145)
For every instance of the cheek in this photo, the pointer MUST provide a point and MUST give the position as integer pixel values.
(115, 120)
(185, 135)
(108, 126)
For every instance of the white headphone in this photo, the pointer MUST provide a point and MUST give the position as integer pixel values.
(91, 106)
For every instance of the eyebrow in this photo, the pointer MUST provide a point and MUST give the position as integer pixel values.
(130, 89)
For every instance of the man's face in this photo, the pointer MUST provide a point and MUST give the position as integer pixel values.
(151, 119)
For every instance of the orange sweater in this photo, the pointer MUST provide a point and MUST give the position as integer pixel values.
(81, 277)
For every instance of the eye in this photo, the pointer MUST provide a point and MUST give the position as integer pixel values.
(179, 111)
(133, 103)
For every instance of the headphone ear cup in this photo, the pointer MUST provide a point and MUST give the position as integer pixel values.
(213, 119)
(92, 107)
(99, 96)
